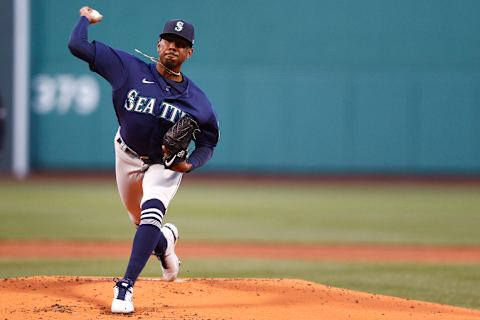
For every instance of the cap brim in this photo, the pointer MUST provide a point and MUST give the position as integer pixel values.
(178, 35)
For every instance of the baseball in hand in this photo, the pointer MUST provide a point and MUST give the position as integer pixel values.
(96, 15)
(91, 14)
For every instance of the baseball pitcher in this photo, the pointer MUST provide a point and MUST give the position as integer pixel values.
(159, 112)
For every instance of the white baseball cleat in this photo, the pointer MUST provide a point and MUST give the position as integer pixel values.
(123, 297)
(169, 260)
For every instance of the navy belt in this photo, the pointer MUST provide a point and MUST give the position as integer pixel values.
(128, 150)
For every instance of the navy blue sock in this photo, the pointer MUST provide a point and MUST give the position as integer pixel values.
(161, 245)
(147, 238)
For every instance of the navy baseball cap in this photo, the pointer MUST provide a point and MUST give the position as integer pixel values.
(179, 28)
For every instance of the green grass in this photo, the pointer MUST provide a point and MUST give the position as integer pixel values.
(448, 284)
(289, 213)
(437, 215)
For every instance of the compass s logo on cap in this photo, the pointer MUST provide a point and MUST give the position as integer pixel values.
(180, 28)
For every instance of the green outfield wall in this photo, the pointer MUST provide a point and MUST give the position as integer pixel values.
(6, 80)
(340, 86)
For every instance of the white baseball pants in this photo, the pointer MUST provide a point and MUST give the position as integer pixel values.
(138, 182)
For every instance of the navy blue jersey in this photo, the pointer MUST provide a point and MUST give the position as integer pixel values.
(147, 104)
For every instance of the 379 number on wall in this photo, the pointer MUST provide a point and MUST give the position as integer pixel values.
(65, 93)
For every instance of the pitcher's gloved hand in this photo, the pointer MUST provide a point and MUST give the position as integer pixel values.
(176, 141)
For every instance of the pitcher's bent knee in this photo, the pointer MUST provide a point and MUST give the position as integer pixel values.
(152, 213)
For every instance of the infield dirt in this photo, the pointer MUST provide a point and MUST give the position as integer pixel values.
(42, 297)
(326, 252)
(90, 298)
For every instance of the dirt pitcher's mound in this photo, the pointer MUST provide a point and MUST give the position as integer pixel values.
(90, 298)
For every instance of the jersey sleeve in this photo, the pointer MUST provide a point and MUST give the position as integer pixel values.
(209, 134)
(102, 59)
(110, 64)
(206, 140)
(200, 156)
(78, 42)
